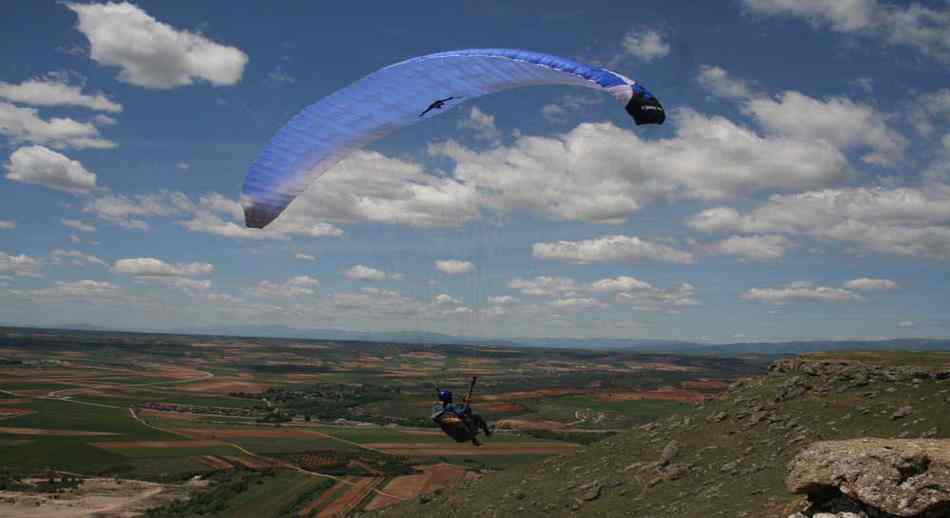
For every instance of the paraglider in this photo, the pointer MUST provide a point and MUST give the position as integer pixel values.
(458, 420)
(399, 95)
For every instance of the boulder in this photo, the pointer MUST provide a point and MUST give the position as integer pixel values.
(891, 477)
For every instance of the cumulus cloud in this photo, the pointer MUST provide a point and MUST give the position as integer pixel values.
(721, 84)
(903, 221)
(305, 257)
(42, 166)
(293, 287)
(645, 44)
(84, 289)
(600, 173)
(153, 54)
(615, 249)
(365, 273)
(502, 300)
(78, 225)
(454, 266)
(24, 125)
(369, 186)
(651, 298)
(922, 28)
(76, 257)
(837, 121)
(577, 303)
(545, 286)
(558, 112)
(482, 124)
(799, 291)
(6, 224)
(122, 210)
(151, 267)
(869, 284)
(621, 283)
(752, 248)
(20, 265)
(53, 90)
(444, 298)
(929, 109)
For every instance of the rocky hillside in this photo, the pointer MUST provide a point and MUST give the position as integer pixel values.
(734, 457)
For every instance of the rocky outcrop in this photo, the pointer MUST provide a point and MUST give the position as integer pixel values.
(875, 478)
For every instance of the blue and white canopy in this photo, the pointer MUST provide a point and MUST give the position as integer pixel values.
(402, 94)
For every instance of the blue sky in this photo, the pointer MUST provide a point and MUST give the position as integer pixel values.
(800, 187)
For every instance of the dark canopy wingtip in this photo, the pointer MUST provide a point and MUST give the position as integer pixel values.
(646, 110)
(256, 216)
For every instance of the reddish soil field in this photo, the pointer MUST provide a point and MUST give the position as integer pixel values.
(352, 495)
(660, 366)
(425, 355)
(224, 386)
(248, 462)
(436, 449)
(528, 424)
(704, 384)
(44, 431)
(13, 401)
(276, 433)
(407, 487)
(501, 407)
(124, 445)
(532, 394)
(664, 394)
(13, 412)
(216, 462)
(326, 497)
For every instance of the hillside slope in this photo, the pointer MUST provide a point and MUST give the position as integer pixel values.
(726, 458)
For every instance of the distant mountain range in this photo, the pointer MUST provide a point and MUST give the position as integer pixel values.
(651, 345)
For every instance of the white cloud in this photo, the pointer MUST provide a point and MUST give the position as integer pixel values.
(365, 273)
(600, 173)
(84, 289)
(502, 300)
(799, 291)
(368, 186)
(153, 54)
(616, 248)
(577, 303)
(838, 121)
(293, 287)
(6, 224)
(558, 112)
(621, 283)
(24, 125)
(906, 324)
(20, 265)
(55, 91)
(925, 29)
(104, 120)
(76, 257)
(121, 209)
(280, 76)
(651, 298)
(546, 286)
(482, 124)
(645, 44)
(42, 166)
(454, 266)
(78, 225)
(151, 267)
(305, 257)
(721, 84)
(753, 248)
(928, 109)
(902, 221)
(444, 298)
(869, 284)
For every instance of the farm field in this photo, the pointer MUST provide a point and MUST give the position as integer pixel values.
(271, 427)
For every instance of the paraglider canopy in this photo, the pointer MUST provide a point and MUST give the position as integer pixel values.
(405, 93)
